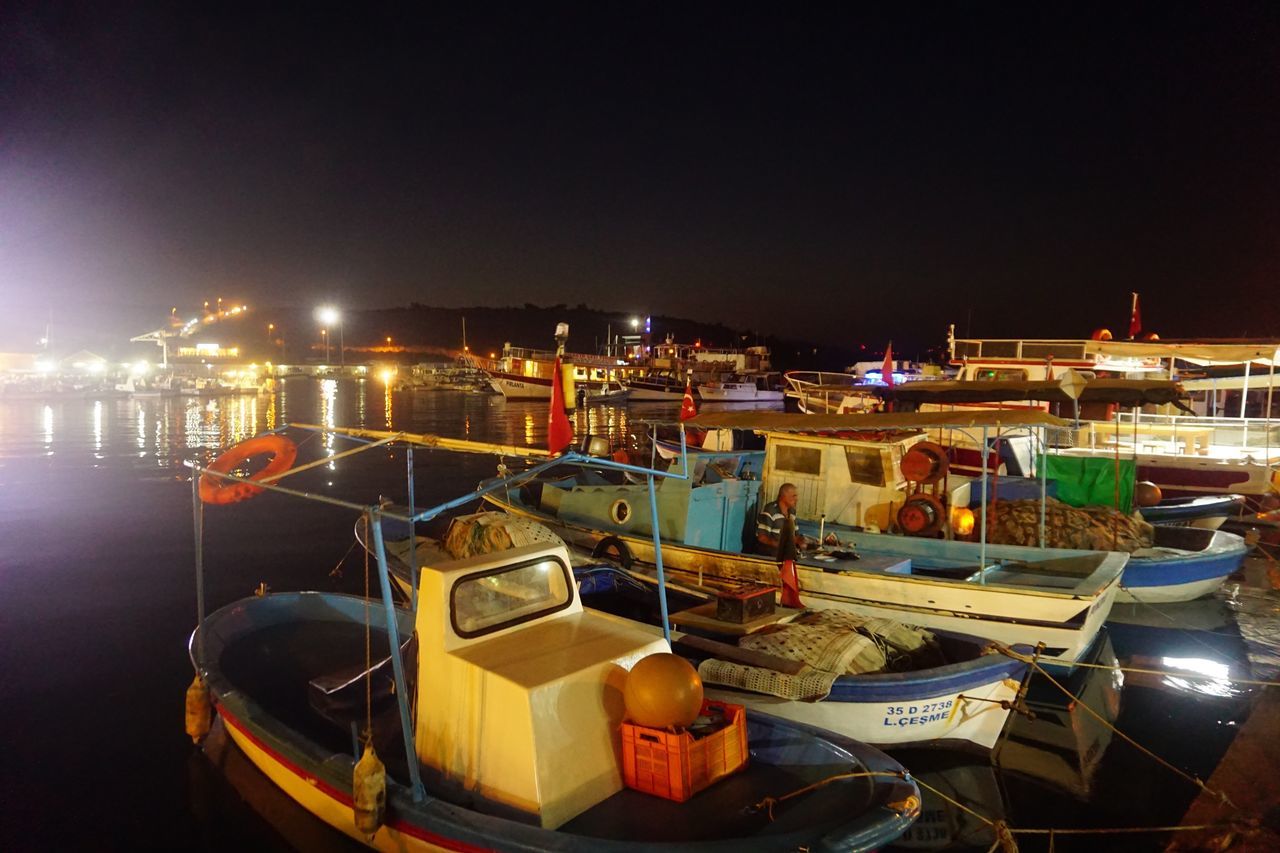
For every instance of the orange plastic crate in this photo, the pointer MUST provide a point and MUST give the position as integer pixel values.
(677, 766)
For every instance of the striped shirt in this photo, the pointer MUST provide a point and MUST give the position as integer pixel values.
(769, 522)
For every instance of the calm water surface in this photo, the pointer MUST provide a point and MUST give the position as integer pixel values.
(97, 601)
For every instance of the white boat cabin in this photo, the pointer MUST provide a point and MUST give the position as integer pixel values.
(519, 690)
(850, 481)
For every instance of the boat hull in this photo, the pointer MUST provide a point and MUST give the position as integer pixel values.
(950, 706)
(644, 394)
(319, 779)
(515, 387)
(1066, 623)
(1184, 577)
(755, 395)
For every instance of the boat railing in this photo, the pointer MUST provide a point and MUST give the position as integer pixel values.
(1227, 431)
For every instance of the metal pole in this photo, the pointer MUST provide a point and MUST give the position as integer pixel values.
(1244, 395)
(197, 518)
(397, 665)
(657, 560)
(413, 536)
(1271, 378)
(342, 344)
(982, 553)
(1044, 478)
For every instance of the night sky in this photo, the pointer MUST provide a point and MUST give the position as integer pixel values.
(839, 175)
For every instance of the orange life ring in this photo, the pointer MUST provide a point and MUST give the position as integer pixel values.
(216, 490)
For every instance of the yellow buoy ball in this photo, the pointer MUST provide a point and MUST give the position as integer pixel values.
(663, 690)
(1147, 493)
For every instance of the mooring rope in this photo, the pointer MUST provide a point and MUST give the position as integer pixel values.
(1195, 780)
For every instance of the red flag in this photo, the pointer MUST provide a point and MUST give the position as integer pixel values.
(559, 430)
(687, 408)
(1135, 319)
(886, 372)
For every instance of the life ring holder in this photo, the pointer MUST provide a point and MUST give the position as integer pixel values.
(219, 490)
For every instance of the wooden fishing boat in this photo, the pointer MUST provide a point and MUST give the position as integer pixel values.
(270, 660)
(515, 741)
(1206, 511)
(853, 483)
(952, 691)
(657, 386)
(1012, 594)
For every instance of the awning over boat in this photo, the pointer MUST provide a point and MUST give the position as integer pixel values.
(969, 419)
(1256, 382)
(1202, 353)
(1127, 392)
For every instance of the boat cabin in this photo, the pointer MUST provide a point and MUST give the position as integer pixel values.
(857, 482)
(713, 509)
(519, 689)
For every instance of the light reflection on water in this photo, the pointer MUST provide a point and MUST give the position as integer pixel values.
(160, 432)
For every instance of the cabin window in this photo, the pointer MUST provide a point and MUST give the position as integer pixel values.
(865, 465)
(490, 601)
(999, 374)
(801, 460)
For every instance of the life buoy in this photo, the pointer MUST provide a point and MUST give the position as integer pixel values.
(621, 553)
(217, 490)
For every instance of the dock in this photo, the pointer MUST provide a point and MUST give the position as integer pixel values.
(1250, 775)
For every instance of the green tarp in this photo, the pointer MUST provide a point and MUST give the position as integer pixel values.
(1084, 481)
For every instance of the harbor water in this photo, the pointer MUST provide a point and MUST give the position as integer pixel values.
(97, 600)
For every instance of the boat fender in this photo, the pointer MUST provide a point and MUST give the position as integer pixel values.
(369, 792)
(620, 512)
(620, 552)
(217, 490)
(199, 710)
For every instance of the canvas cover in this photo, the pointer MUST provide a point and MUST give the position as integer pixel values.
(1091, 481)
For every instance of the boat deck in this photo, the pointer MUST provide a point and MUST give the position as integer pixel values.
(277, 665)
(723, 810)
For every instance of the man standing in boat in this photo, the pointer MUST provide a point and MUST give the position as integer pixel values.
(772, 520)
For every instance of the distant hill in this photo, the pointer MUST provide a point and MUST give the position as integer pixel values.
(425, 332)
(529, 325)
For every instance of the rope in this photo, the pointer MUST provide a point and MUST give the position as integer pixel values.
(766, 805)
(1004, 833)
(1004, 650)
(336, 571)
(1222, 797)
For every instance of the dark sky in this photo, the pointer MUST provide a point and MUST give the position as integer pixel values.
(862, 173)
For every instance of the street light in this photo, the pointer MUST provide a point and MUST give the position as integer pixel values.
(635, 322)
(330, 316)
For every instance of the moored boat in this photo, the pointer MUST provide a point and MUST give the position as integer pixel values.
(515, 741)
(930, 689)
(1012, 594)
(743, 388)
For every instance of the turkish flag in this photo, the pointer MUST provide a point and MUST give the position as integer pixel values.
(886, 372)
(559, 430)
(687, 408)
